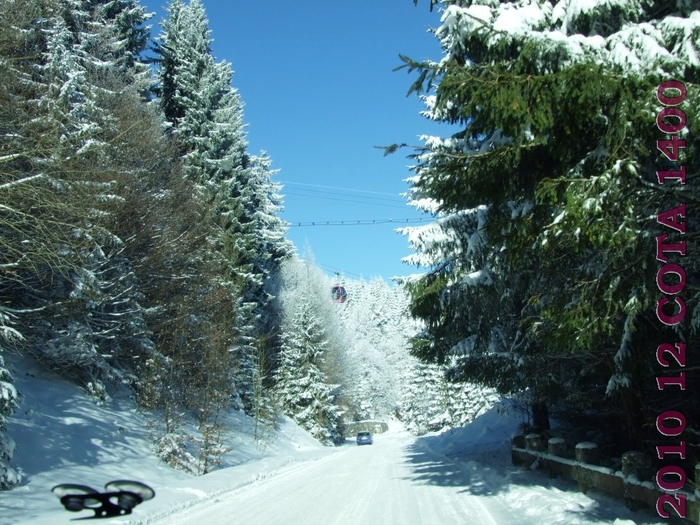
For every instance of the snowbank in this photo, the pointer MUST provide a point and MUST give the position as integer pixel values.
(63, 437)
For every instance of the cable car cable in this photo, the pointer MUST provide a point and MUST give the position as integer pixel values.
(362, 222)
(338, 270)
(366, 203)
(337, 188)
(315, 193)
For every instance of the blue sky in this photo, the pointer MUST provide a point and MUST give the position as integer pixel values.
(320, 93)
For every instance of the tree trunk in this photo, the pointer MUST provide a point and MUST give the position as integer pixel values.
(634, 417)
(540, 416)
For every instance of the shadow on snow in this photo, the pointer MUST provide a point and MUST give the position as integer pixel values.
(464, 460)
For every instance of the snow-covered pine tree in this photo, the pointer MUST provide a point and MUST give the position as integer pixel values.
(60, 174)
(304, 296)
(430, 402)
(263, 202)
(261, 251)
(423, 404)
(299, 383)
(9, 401)
(198, 101)
(540, 267)
(113, 33)
(206, 117)
(246, 240)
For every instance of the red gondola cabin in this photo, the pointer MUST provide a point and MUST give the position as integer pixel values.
(339, 294)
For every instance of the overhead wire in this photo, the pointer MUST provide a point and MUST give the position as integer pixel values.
(362, 222)
(338, 188)
(323, 193)
(338, 270)
(353, 201)
(309, 192)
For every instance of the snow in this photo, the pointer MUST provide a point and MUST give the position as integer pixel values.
(463, 475)
(476, 458)
(479, 277)
(63, 437)
(666, 45)
(513, 20)
(8, 391)
(520, 209)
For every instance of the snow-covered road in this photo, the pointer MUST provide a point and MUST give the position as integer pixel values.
(378, 484)
(463, 475)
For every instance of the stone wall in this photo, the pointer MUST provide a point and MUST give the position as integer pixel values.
(631, 483)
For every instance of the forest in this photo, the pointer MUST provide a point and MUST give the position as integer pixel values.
(142, 249)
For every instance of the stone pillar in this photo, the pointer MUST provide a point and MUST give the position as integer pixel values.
(587, 452)
(637, 464)
(557, 447)
(518, 441)
(534, 442)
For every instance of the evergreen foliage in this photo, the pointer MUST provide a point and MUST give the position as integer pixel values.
(366, 353)
(75, 288)
(311, 341)
(430, 402)
(66, 291)
(301, 386)
(375, 319)
(132, 256)
(9, 402)
(245, 239)
(540, 266)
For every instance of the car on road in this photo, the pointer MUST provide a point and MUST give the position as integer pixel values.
(364, 438)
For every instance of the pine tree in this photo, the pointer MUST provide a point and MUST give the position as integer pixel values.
(301, 386)
(540, 264)
(263, 203)
(206, 117)
(112, 33)
(310, 321)
(60, 190)
(423, 404)
(9, 402)
(245, 242)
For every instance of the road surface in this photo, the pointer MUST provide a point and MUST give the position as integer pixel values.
(390, 482)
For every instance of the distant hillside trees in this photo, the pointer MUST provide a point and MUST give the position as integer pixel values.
(375, 317)
(302, 389)
(540, 266)
(312, 338)
(430, 402)
(366, 343)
